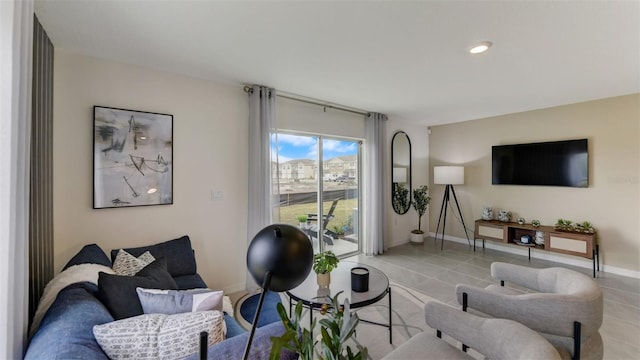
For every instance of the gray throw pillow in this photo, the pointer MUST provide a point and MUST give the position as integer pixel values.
(179, 301)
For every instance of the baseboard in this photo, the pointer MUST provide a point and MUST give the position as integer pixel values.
(546, 255)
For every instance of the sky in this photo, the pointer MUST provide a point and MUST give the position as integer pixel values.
(306, 147)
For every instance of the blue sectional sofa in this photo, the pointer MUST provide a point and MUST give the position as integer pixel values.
(65, 331)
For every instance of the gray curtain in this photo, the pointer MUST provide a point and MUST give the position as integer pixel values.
(262, 126)
(16, 44)
(375, 184)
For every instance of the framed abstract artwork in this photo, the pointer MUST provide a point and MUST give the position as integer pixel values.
(132, 158)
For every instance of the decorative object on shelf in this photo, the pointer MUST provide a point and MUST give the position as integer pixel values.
(449, 176)
(521, 220)
(323, 264)
(420, 203)
(279, 257)
(535, 223)
(584, 227)
(563, 224)
(302, 220)
(525, 239)
(539, 239)
(337, 328)
(132, 158)
(487, 213)
(504, 215)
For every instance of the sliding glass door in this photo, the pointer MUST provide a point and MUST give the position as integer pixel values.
(314, 167)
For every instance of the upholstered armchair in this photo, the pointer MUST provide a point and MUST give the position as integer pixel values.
(493, 338)
(563, 305)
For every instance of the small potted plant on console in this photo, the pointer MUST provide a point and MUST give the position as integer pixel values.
(323, 264)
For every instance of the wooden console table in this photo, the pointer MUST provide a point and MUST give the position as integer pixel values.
(578, 244)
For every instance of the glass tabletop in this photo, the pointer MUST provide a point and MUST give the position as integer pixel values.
(312, 296)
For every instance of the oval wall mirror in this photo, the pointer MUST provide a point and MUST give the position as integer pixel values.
(400, 172)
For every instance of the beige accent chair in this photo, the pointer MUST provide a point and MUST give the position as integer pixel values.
(493, 338)
(563, 305)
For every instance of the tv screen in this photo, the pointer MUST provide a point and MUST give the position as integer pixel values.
(557, 163)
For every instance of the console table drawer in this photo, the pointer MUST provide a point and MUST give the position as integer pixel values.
(491, 232)
(571, 244)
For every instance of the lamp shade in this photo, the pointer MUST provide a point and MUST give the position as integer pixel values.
(399, 175)
(282, 250)
(448, 175)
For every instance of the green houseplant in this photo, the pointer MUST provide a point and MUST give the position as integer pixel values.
(420, 203)
(302, 219)
(335, 330)
(323, 263)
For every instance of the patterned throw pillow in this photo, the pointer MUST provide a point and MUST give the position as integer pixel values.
(179, 301)
(158, 336)
(127, 264)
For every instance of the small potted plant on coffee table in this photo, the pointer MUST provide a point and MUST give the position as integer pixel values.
(323, 264)
(420, 203)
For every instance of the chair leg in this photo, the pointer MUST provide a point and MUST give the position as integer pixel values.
(465, 304)
(576, 340)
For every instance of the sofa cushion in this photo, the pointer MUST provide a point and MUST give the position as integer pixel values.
(127, 264)
(179, 254)
(158, 336)
(169, 302)
(118, 293)
(193, 281)
(66, 329)
(89, 254)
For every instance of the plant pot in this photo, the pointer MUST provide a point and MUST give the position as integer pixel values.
(324, 279)
(417, 236)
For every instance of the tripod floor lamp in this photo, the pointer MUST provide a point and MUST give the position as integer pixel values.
(449, 176)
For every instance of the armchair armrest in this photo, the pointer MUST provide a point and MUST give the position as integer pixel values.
(487, 335)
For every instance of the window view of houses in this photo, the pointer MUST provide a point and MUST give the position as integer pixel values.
(296, 171)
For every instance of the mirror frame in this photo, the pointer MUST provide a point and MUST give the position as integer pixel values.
(400, 132)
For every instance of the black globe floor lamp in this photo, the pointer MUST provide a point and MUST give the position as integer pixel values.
(449, 176)
(280, 258)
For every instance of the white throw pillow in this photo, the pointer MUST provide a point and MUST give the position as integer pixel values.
(158, 336)
(128, 265)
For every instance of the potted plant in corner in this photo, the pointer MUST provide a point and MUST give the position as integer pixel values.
(323, 263)
(420, 203)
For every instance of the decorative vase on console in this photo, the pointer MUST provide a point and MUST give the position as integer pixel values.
(487, 213)
(504, 215)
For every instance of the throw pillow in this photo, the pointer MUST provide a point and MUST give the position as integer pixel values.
(158, 336)
(179, 301)
(118, 293)
(127, 264)
(179, 253)
(89, 254)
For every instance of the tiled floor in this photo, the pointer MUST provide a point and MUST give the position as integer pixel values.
(435, 273)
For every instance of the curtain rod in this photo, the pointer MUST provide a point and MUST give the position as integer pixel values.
(249, 89)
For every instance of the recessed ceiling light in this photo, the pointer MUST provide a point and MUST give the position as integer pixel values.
(480, 47)
(152, 191)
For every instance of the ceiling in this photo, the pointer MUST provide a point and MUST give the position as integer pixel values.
(408, 60)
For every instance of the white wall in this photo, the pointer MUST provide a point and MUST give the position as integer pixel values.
(399, 226)
(210, 152)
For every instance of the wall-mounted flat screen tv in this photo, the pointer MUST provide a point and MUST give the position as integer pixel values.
(556, 163)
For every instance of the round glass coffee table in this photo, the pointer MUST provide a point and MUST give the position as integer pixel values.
(313, 297)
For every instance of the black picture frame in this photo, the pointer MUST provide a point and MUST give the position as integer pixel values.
(132, 158)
